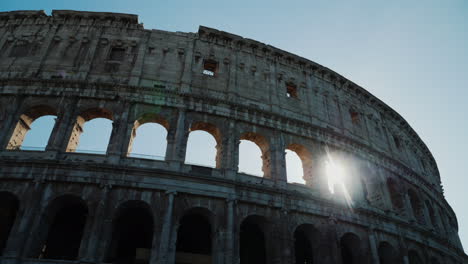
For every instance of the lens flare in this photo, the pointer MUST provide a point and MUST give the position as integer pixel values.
(336, 175)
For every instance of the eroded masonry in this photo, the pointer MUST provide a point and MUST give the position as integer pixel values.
(58, 205)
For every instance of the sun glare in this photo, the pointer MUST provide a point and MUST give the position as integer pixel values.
(336, 174)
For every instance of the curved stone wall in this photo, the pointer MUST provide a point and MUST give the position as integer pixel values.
(82, 65)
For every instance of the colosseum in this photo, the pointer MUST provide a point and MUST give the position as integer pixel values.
(58, 205)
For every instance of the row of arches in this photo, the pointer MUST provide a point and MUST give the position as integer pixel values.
(63, 223)
(93, 128)
(149, 139)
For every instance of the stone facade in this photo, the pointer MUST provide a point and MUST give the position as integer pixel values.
(59, 206)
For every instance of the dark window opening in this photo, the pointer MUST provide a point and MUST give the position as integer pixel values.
(350, 249)
(302, 248)
(8, 210)
(387, 254)
(397, 141)
(21, 50)
(291, 90)
(209, 67)
(132, 237)
(117, 54)
(354, 116)
(64, 236)
(194, 240)
(252, 244)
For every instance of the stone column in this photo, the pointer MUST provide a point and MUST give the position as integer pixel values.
(177, 140)
(230, 147)
(64, 122)
(93, 232)
(373, 247)
(118, 137)
(138, 65)
(277, 159)
(319, 180)
(229, 238)
(10, 118)
(164, 244)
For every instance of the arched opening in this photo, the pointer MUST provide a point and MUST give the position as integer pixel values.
(373, 187)
(204, 145)
(9, 205)
(431, 214)
(65, 219)
(298, 164)
(252, 241)
(254, 156)
(387, 254)
(417, 206)
(194, 238)
(91, 132)
(149, 138)
(33, 129)
(414, 258)
(350, 246)
(304, 237)
(132, 234)
(396, 196)
(434, 260)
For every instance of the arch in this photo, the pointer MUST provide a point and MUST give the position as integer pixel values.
(148, 138)
(9, 205)
(396, 196)
(132, 233)
(247, 163)
(24, 124)
(434, 260)
(99, 131)
(387, 253)
(62, 229)
(432, 215)
(417, 206)
(414, 258)
(195, 237)
(204, 145)
(252, 248)
(306, 162)
(372, 183)
(350, 246)
(305, 236)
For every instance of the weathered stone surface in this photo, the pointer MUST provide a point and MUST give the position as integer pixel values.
(83, 65)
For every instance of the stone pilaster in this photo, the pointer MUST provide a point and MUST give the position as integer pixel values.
(167, 227)
(177, 140)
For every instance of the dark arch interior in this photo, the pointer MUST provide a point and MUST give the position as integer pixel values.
(194, 240)
(302, 248)
(8, 211)
(65, 232)
(349, 245)
(252, 243)
(387, 254)
(132, 237)
(413, 257)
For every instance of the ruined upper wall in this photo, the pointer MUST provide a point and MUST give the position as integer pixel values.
(98, 47)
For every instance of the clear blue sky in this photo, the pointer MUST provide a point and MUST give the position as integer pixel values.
(413, 55)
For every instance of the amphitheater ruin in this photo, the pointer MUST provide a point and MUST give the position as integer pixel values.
(372, 192)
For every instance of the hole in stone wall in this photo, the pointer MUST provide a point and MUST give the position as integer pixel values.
(194, 240)
(201, 149)
(250, 158)
(95, 137)
(294, 168)
(38, 136)
(117, 54)
(291, 90)
(132, 235)
(8, 209)
(354, 116)
(210, 67)
(350, 248)
(252, 242)
(149, 141)
(417, 207)
(65, 232)
(397, 142)
(414, 258)
(395, 196)
(387, 254)
(303, 235)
